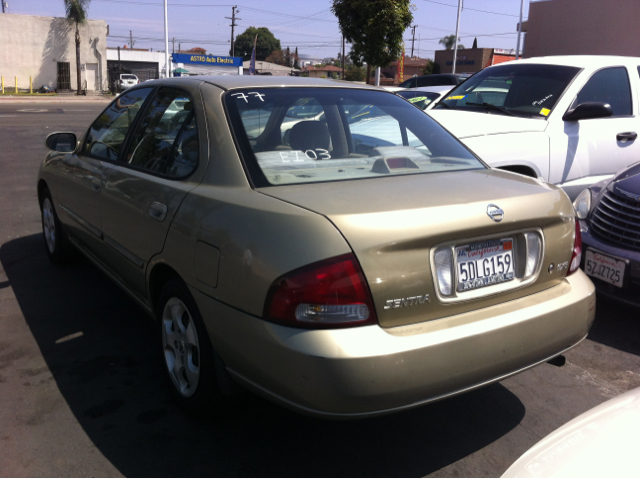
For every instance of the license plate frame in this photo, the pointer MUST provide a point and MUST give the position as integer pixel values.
(478, 257)
(605, 266)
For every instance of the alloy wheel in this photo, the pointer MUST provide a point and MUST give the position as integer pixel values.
(181, 347)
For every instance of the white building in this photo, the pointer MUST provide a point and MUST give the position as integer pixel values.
(43, 49)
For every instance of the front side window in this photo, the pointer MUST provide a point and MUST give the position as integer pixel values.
(106, 135)
(611, 86)
(332, 134)
(166, 142)
(512, 89)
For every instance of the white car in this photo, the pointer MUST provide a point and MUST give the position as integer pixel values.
(126, 80)
(602, 442)
(570, 120)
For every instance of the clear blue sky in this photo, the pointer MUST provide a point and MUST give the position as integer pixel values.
(308, 25)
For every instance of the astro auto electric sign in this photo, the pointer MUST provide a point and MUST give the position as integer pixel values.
(207, 60)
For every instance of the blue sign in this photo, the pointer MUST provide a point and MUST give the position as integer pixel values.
(207, 60)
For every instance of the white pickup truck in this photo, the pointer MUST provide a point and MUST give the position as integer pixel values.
(570, 120)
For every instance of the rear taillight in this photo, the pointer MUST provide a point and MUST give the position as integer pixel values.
(329, 294)
(576, 255)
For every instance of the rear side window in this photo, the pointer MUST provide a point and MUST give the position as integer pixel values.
(611, 86)
(411, 83)
(166, 142)
(106, 135)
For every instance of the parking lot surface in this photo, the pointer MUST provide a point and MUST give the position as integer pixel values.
(82, 392)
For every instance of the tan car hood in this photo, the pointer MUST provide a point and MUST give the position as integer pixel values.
(391, 224)
(466, 124)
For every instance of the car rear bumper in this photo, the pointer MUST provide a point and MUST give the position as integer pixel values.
(370, 370)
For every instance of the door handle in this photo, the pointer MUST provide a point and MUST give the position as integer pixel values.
(158, 211)
(627, 136)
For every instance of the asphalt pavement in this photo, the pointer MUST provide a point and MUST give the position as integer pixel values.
(82, 391)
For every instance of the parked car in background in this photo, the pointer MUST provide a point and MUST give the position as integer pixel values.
(570, 120)
(331, 276)
(609, 214)
(126, 80)
(602, 442)
(436, 79)
(425, 97)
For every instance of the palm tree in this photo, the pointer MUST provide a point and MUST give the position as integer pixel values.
(76, 12)
(449, 41)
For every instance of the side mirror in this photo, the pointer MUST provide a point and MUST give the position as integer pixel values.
(588, 110)
(62, 142)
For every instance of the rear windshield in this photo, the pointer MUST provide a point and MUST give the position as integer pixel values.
(310, 135)
(128, 77)
(421, 99)
(512, 89)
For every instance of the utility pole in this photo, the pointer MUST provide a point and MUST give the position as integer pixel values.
(233, 25)
(167, 72)
(173, 40)
(519, 30)
(343, 62)
(131, 42)
(413, 40)
(455, 45)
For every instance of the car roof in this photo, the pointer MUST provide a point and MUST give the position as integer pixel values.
(229, 82)
(583, 61)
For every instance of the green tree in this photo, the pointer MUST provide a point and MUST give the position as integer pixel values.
(296, 63)
(266, 44)
(431, 67)
(449, 41)
(276, 56)
(354, 73)
(374, 28)
(76, 12)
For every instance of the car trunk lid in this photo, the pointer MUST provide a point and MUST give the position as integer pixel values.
(393, 224)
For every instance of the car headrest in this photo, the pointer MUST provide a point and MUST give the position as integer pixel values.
(309, 135)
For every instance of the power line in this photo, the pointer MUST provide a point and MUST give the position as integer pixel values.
(473, 9)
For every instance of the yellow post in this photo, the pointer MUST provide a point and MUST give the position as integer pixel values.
(31, 85)
(16, 78)
(3, 85)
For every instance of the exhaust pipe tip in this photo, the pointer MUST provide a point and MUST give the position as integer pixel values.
(559, 360)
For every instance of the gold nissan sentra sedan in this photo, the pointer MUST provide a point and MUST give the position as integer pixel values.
(326, 245)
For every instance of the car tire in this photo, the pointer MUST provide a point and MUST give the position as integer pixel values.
(56, 243)
(187, 354)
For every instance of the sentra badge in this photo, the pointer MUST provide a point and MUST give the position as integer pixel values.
(404, 302)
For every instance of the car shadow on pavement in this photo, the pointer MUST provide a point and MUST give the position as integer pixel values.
(99, 347)
(616, 325)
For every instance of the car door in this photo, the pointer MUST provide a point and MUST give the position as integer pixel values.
(87, 172)
(586, 151)
(147, 185)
